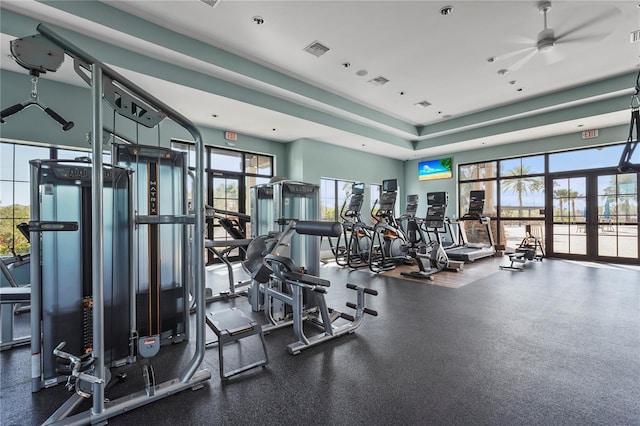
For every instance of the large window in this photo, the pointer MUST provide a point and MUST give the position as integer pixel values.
(514, 195)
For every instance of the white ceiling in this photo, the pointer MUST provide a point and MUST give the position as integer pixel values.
(425, 56)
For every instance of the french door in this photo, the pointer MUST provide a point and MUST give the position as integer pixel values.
(595, 216)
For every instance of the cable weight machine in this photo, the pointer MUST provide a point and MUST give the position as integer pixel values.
(45, 51)
(625, 164)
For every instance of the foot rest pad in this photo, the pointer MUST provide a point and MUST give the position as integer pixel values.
(231, 325)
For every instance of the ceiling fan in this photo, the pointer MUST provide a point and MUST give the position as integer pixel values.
(547, 40)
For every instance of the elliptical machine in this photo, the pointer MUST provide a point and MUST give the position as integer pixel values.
(426, 250)
(352, 247)
(388, 241)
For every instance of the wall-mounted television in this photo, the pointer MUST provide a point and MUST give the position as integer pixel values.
(435, 169)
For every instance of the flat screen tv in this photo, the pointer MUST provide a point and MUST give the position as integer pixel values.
(435, 169)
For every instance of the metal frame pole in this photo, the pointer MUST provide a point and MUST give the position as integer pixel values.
(97, 238)
(36, 283)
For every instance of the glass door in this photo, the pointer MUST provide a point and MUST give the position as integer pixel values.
(595, 217)
(617, 201)
(224, 196)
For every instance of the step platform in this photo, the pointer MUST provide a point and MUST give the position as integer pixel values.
(231, 325)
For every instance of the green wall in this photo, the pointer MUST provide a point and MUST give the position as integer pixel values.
(312, 160)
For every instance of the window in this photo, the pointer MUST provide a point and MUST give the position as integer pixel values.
(478, 176)
(522, 187)
(582, 159)
(375, 192)
(478, 171)
(225, 160)
(229, 175)
(333, 194)
(15, 189)
(514, 195)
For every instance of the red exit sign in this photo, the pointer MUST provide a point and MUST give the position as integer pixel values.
(231, 136)
(590, 134)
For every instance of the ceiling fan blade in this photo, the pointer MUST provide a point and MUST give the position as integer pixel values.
(527, 41)
(513, 53)
(523, 60)
(596, 20)
(594, 38)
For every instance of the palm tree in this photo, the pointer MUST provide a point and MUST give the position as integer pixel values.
(561, 195)
(522, 185)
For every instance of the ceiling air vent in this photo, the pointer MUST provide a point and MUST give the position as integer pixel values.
(635, 36)
(316, 48)
(422, 104)
(211, 3)
(379, 81)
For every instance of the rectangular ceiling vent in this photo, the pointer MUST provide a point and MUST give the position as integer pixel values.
(316, 48)
(212, 3)
(635, 36)
(379, 81)
(422, 104)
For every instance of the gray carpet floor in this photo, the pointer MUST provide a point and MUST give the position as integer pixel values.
(557, 344)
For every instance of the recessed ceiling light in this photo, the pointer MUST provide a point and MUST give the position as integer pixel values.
(447, 116)
(580, 125)
(512, 82)
(503, 71)
(362, 73)
(446, 10)
(491, 59)
(422, 104)
(258, 20)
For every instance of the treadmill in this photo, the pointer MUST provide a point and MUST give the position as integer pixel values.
(483, 243)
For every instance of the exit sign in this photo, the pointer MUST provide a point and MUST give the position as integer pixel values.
(231, 136)
(590, 134)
